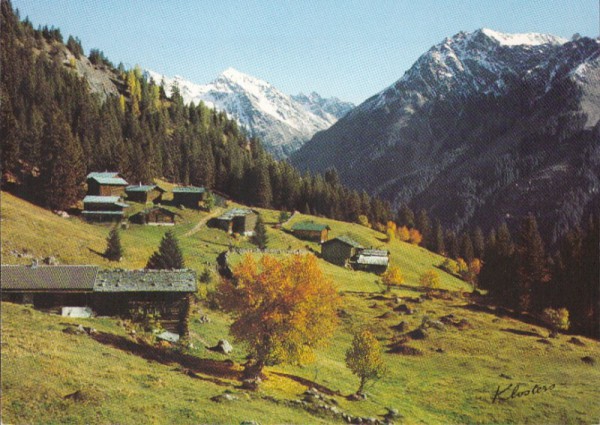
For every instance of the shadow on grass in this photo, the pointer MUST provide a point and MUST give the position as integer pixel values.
(93, 251)
(308, 383)
(191, 364)
(520, 332)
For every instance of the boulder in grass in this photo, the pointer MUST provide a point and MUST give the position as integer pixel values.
(223, 346)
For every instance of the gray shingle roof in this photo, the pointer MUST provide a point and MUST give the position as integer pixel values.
(346, 240)
(107, 177)
(145, 281)
(188, 189)
(90, 278)
(372, 260)
(47, 277)
(93, 199)
(310, 226)
(235, 212)
(140, 188)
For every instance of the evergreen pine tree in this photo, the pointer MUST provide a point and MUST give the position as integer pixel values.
(423, 224)
(260, 233)
(452, 245)
(531, 263)
(466, 248)
(168, 256)
(406, 217)
(114, 250)
(62, 168)
(438, 236)
(478, 242)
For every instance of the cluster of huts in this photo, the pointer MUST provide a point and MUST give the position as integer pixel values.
(76, 289)
(342, 250)
(106, 192)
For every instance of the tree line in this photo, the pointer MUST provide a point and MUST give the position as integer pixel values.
(56, 131)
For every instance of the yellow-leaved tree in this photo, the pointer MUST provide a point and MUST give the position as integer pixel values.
(392, 277)
(430, 280)
(282, 309)
(364, 358)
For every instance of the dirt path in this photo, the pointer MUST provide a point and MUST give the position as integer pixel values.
(216, 212)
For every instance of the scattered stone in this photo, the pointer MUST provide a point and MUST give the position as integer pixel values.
(251, 384)
(223, 398)
(62, 214)
(436, 324)
(418, 333)
(448, 319)
(249, 423)
(503, 375)
(168, 336)
(391, 413)
(223, 346)
(374, 305)
(203, 319)
(357, 397)
(588, 360)
(51, 261)
(440, 350)
(577, 341)
(544, 341)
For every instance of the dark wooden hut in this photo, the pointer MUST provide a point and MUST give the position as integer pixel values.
(144, 193)
(106, 292)
(155, 216)
(103, 208)
(339, 250)
(309, 230)
(371, 260)
(106, 183)
(188, 196)
(238, 220)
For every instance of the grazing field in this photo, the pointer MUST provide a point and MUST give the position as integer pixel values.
(448, 373)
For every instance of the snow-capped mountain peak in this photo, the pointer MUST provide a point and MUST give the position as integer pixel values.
(527, 39)
(283, 122)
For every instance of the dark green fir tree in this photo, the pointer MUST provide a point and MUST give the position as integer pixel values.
(260, 233)
(114, 249)
(168, 256)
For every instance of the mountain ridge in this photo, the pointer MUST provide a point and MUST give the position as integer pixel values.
(283, 122)
(469, 104)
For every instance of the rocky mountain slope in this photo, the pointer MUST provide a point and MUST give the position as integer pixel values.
(283, 123)
(483, 127)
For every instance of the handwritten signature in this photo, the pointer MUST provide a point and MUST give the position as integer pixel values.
(519, 391)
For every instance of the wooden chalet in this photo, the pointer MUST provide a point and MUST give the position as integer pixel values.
(103, 208)
(238, 220)
(157, 216)
(340, 250)
(106, 183)
(106, 292)
(311, 231)
(144, 193)
(371, 260)
(188, 196)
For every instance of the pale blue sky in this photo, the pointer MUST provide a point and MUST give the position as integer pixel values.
(351, 49)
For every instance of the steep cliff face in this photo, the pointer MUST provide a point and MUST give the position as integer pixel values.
(483, 127)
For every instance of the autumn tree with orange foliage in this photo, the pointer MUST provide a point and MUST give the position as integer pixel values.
(283, 309)
(415, 237)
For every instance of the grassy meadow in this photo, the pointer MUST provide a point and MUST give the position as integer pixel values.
(450, 377)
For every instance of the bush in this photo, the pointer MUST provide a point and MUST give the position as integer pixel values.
(430, 279)
(556, 320)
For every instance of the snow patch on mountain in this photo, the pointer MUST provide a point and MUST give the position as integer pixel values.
(283, 122)
(527, 39)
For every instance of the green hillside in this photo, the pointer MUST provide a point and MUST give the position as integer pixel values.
(451, 377)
